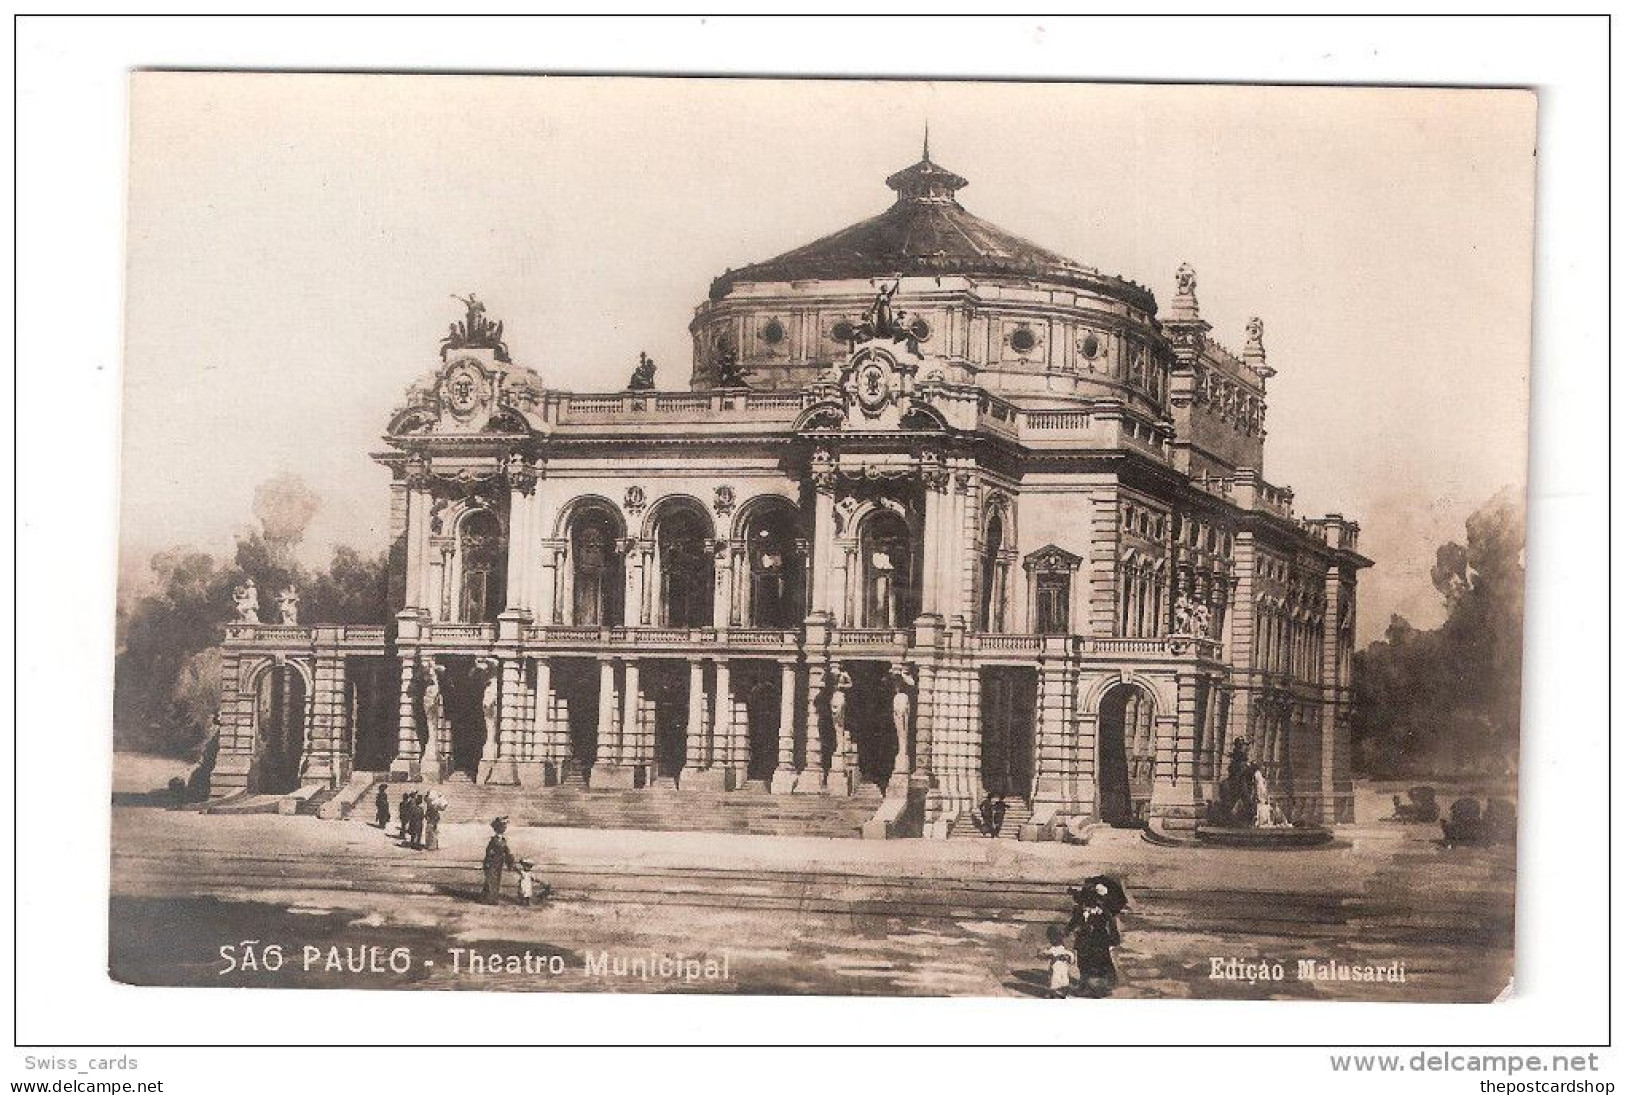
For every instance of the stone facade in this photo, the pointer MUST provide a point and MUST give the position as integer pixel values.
(919, 455)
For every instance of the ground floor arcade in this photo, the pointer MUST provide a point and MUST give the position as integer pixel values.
(1127, 732)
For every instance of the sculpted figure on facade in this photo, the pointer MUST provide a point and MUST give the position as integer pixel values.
(287, 606)
(474, 331)
(433, 711)
(246, 599)
(1185, 280)
(490, 703)
(1255, 334)
(902, 714)
(840, 683)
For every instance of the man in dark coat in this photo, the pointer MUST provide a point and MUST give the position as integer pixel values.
(498, 857)
(381, 805)
(418, 813)
(406, 814)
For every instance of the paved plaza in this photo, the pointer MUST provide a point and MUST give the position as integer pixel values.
(348, 906)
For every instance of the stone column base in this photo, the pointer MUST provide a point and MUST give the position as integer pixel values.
(809, 781)
(503, 773)
(405, 770)
(614, 777)
(703, 779)
(535, 773)
(901, 812)
(783, 781)
(230, 774)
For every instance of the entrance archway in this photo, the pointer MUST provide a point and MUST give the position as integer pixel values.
(279, 729)
(374, 699)
(1125, 755)
(575, 683)
(665, 686)
(1009, 710)
(869, 720)
(889, 554)
(759, 686)
(463, 683)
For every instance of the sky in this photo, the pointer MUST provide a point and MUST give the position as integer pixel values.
(294, 242)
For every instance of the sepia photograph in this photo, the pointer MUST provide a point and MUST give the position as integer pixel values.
(907, 538)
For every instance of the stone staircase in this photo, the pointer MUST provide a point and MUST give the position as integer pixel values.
(572, 805)
(968, 825)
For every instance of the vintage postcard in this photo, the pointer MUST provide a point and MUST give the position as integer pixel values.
(822, 537)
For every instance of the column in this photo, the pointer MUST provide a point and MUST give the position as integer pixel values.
(932, 568)
(695, 754)
(723, 605)
(713, 768)
(606, 745)
(408, 749)
(810, 779)
(417, 544)
(1173, 791)
(325, 759)
(547, 602)
(733, 762)
(234, 743)
(541, 763)
(631, 697)
(1336, 783)
(1053, 732)
(784, 771)
(821, 594)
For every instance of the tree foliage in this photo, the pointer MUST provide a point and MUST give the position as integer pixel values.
(1446, 702)
(166, 674)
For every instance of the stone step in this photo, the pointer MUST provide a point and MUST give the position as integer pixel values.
(659, 808)
(968, 825)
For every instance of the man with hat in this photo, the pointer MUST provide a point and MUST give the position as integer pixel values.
(498, 856)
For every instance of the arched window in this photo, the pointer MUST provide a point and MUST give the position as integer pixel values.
(686, 569)
(890, 571)
(596, 572)
(776, 581)
(483, 554)
(990, 608)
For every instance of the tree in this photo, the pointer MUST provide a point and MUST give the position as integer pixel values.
(1446, 702)
(166, 674)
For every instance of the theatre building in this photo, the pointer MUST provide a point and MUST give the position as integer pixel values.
(941, 514)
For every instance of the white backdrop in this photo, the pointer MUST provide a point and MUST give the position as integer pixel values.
(71, 148)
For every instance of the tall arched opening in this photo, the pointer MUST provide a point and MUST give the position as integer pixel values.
(280, 701)
(776, 590)
(686, 568)
(890, 561)
(597, 577)
(1125, 754)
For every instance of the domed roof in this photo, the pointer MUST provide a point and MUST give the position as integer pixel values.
(927, 232)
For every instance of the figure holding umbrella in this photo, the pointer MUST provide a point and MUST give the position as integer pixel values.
(1096, 906)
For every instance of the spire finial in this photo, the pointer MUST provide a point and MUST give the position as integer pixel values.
(925, 153)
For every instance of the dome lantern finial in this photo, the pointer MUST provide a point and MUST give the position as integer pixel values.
(925, 181)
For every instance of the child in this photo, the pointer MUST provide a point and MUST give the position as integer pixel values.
(1060, 963)
(530, 890)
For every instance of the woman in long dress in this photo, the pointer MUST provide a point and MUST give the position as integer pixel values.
(1263, 812)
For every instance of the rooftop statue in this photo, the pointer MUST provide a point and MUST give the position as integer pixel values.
(475, 332)
(643, 377)
(879, 321)
(246, 599)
